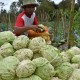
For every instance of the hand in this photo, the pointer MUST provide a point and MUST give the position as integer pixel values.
(34, 28)
(41, 27)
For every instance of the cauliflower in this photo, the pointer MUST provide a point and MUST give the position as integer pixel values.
(22, 54)
(6, 50)
(25, 68)
(75, 66)
(41, 27)
(75, 75)
(64, 71)
(73, 51)
(6, 36)
(40, 61)
(52, 54)
(44, 69)
(65, 56)
(36, 43)
(20, 42)
(7, 68)
(32, 77)
(76, 59)
(55, 78)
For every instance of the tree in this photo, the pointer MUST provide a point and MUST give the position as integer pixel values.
(13, 8)
(19, 3)
(45, 10)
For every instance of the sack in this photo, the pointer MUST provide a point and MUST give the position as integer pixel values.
(32, 33)
(45, 34)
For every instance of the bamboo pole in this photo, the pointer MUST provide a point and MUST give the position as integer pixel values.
(70, 23)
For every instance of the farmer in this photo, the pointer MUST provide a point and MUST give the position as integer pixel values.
(26, 20)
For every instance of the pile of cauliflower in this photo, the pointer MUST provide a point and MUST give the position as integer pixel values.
(22, 58)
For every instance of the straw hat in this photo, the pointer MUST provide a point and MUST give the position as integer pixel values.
(29, 2)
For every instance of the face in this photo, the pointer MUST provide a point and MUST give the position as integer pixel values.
(30, 9)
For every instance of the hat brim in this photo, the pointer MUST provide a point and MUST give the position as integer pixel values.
(35, 5)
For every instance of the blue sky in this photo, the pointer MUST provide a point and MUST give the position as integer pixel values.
(8, 3)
